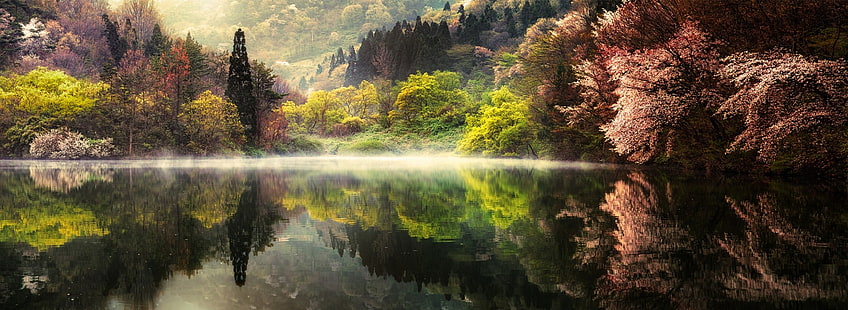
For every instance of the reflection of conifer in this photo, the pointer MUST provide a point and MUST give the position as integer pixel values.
(240, 232)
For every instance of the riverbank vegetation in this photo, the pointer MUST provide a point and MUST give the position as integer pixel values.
(719, 85)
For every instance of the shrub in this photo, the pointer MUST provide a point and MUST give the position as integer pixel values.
(64, 144)
(370, 146)
(299, 145)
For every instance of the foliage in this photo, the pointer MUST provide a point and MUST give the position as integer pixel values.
(318, 115)
(211, 125)
(367, 147)
(49, 92)
(788, 102)
(299, 144)
(64, 144)
(386, 54)
(658, 90)
(502, 129)
(42, 100)
(426, 99)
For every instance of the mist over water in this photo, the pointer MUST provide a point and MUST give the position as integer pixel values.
(312, 163)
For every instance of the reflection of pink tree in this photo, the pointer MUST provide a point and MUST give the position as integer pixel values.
(648, 242)
(760, 277)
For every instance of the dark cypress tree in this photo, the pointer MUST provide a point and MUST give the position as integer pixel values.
(461, 11)
(340, 57)
(447, 6)
(240, 87)
(445, 41)
(351, 57)
(118, 46)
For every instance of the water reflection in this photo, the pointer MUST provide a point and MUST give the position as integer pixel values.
(463, 236)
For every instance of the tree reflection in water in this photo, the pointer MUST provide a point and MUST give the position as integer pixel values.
(240, 232)
(660, 263)
(490, 238)
(777, 260)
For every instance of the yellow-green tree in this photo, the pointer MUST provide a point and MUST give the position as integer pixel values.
(41, 100)
(317, 116)
(500, 129)
(211, 125)
(359, 101)
(433, 99)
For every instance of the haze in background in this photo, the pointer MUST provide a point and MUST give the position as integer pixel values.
(291, 36)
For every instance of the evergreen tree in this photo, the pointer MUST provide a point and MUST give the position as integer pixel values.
(351, 54)
(340, 57)
(198, 66)
(240, 86)
(118, 46)
(447, 6)
(461, 11)
(158, 43)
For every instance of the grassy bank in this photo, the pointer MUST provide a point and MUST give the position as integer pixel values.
(374, 143)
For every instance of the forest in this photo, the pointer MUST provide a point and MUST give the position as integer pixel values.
(717, 85)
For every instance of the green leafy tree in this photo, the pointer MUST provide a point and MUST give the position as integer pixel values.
(317, 116)
(41, 100)
(500, 129)
(430, 99)
(211, 125)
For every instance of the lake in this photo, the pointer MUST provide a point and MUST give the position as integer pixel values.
(413, 233)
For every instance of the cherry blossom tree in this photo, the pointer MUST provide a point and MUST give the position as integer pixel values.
(659, 91)
(787, 101)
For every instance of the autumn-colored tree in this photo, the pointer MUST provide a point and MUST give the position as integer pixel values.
(792, 107)
(175, 70)
(318, 116)
(359, 101)
(272, 126)
(211, 125)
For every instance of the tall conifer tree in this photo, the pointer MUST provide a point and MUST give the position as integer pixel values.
(240, 87)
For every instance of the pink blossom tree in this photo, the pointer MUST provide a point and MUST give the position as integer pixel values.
(660, 89)
(788, 101)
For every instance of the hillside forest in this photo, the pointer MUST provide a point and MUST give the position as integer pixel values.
(716, 85)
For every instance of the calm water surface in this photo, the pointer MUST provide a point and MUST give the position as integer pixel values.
(413, 233)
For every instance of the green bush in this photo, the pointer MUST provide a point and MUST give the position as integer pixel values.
(300, 145)
(368, 147)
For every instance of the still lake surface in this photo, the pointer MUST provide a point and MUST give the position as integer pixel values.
(413, 233)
